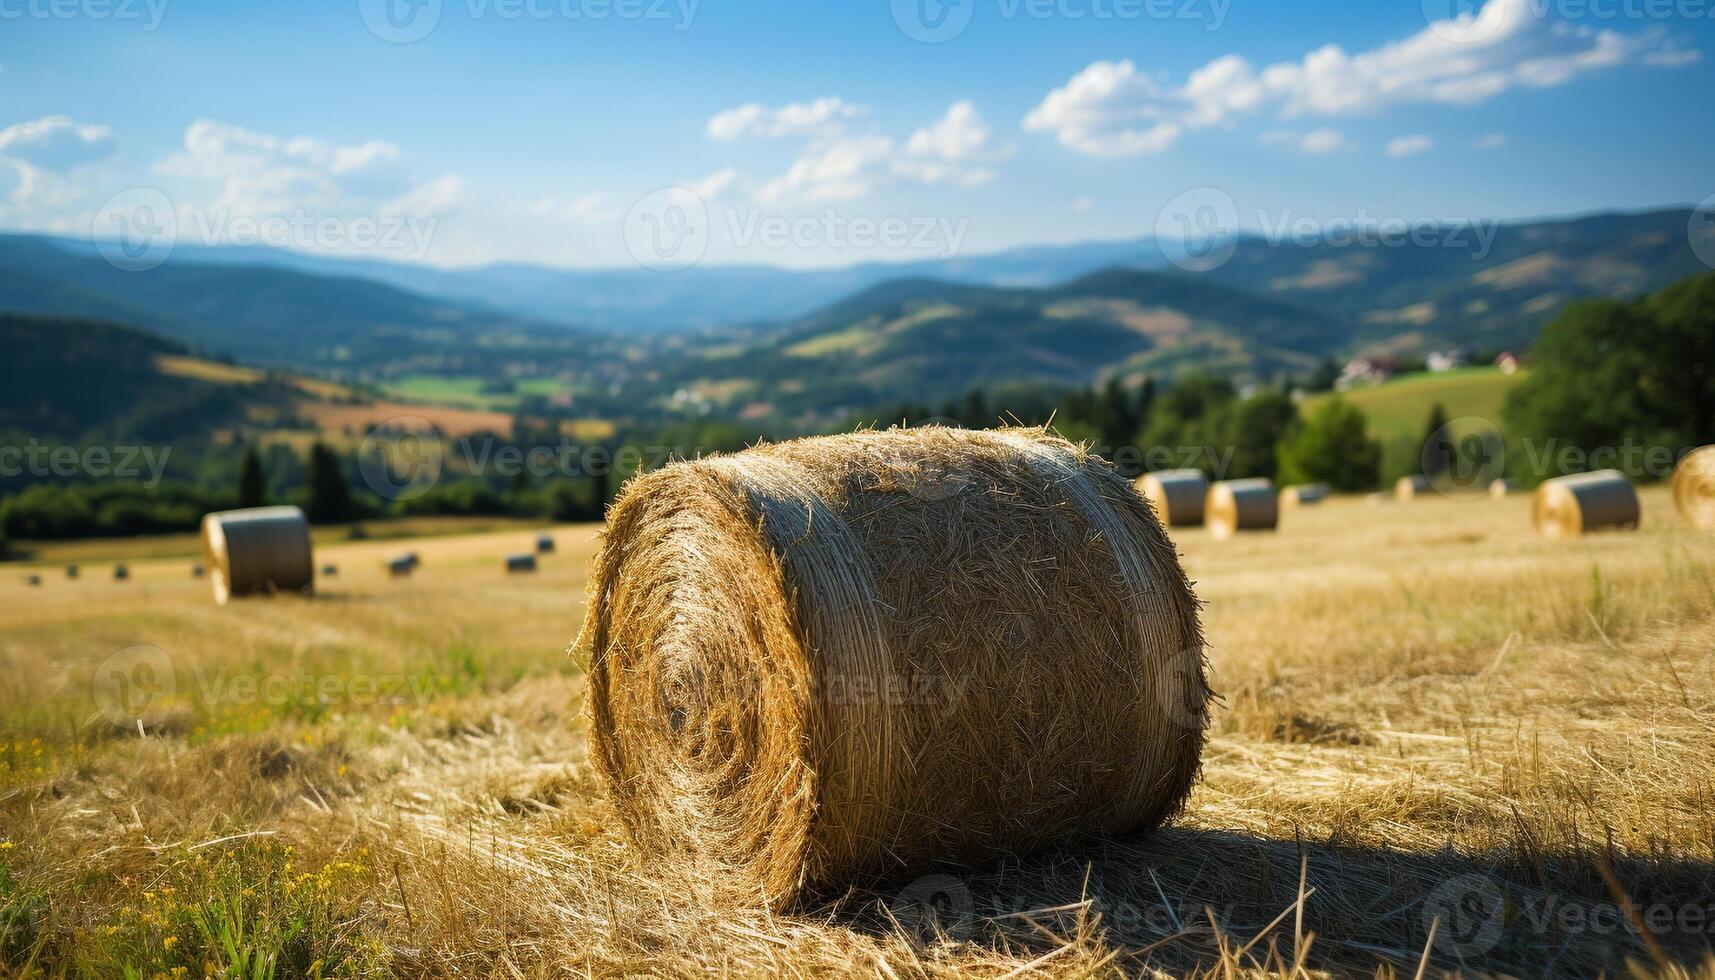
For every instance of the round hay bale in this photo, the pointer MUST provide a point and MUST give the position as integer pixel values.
(330, 571)
(402, 566)
(545, 545)
(1412, 487)
(1694, 488)
(259, 551)
(1242, 505)
(850, 658)
(1176, 496)
(121, 573)
(1568, 506)
(34, 580)
(1305, 495)
(520, 564)
(197, 571)
(71, 571)
(1502, 488)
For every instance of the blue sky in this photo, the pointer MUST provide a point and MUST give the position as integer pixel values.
(530, 130)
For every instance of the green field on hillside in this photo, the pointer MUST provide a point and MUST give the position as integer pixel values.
(1401, 407)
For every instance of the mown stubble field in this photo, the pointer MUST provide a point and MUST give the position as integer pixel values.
(1430, 718)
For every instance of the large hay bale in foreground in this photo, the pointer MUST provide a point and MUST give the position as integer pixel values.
(1412, 487)
(1572, 505)
(1176, 496)
(262, 550)
(1242, 505)
(843, 659)
(1694, 488)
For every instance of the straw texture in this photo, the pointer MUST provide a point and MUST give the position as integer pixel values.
(1176, 496)
(1409, 487)
(843, 659)
(1572, 505)
(257, 551)
(1242, 505)
(1694, 488)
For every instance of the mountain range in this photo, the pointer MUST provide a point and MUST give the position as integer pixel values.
(801, 347)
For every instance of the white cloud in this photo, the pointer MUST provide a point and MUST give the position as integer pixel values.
(587, 209)
(1324, 140)
(263, 174)
(1493, 141)
(55, 143)
(1106, 110)
(433, 197)
(1404, 146)
(839, 170)
(954, 151)
(715, 184)
(823, 117)
(1111, 109)
(958, 135)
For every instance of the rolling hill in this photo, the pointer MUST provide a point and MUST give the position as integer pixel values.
(1454, 290)
(922, 339)
(278, 317)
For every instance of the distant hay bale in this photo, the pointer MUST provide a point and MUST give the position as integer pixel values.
(402, 566)
(196, 571)
(1502, 488)
(412, 558)
(121, 573)
(1412, 487)
(851, 658)
(259, 551)
(1572, 505)
(1176, 496)
(520, 564)
(545, 545)
(330, 571)
(1242, 505)
(1305, 495)
(71, 571)
(33, 580)
(1694, 488)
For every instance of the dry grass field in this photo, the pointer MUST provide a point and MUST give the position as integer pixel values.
(1431, 720)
